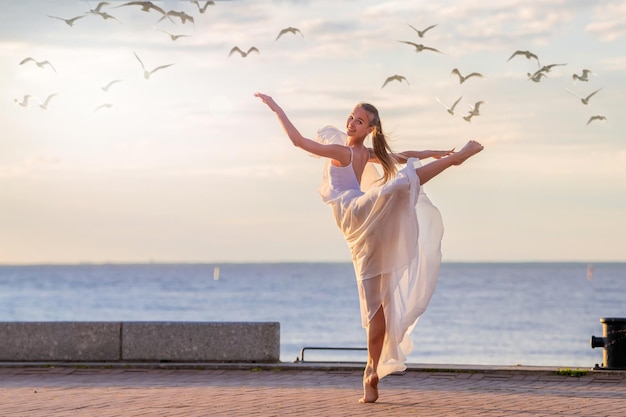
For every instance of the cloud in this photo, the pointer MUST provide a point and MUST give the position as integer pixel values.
(609, 21)
(616, 64)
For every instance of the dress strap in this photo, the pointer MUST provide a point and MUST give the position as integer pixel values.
(351, 154)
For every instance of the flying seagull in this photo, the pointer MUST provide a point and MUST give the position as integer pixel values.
(103, 106)
(584, 100)
(98, 7)
(288, 30)
(146, 6)
(542, 72)
(243, 54)
(582, 77)
(396, 77)
(462, 79)
(451, 108)
(44, 105)
(184, 17)
(175, 37)
(548, 68)
(146, 73)
(40, 64)
(105, 88)
(474, 111)
(419, 47)
(69, 22)
(537, 76)
(102, 14)
(24, 102)
(207, 3)
(527, 54)
(421, 33)
(596, 117)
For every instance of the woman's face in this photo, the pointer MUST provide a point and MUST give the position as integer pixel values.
(358, 123)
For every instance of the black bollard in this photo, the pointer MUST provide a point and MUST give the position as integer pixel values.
(613, 341)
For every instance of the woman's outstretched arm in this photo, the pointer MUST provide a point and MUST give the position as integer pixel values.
(402, 157)
(291, 131)
(338, 152)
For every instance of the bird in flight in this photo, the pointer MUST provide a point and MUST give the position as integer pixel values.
(24, 102)
(462, 79)
(146, 73)
(44, 105)
(542, 72)
(103, 106)
(584, 100)
(419, 47)
(207, 3)
(537, 76)
(175, 37)
(584, 76)
(474, 111)
(527, 54)
(69, 22)
(40, 64)
(105, 88)
(451, 108)
(98, 7)
(288, 30)
(548, 68)
(102, 14)
(146, 6)
(396, 77)
(421, 33)
(596, 117)
(243, 54)
(107, 16)
(184, 17)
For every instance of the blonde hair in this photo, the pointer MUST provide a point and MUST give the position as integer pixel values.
(382, 150)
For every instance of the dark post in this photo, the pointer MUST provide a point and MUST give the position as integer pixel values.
(613, 341)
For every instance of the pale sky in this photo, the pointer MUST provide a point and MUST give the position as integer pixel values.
(188, 166)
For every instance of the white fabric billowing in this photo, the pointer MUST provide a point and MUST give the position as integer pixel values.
(394, 234)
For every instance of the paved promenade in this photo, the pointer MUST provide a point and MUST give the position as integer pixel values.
(293, 390)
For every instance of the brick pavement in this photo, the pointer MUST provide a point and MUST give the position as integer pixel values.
(292, 391)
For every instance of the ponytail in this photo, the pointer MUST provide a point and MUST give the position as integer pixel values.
(382, 149)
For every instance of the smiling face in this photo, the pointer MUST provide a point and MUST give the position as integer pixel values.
(358, 123)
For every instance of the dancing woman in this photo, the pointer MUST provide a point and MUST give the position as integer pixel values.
(392, 229)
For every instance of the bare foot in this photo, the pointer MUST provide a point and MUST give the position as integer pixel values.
(370, 389)
(471, 148)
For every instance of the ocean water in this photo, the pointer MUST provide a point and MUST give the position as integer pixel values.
(481, 313)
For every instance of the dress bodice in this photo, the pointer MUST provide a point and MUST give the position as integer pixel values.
(343, 178)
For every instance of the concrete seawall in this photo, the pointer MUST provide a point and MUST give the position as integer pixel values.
(140, 341)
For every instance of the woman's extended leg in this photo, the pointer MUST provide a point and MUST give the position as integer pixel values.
(375, 338)
(436, 167)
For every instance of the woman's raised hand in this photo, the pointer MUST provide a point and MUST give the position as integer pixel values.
(267, 100)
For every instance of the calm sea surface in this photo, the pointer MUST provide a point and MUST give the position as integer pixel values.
(481, 313)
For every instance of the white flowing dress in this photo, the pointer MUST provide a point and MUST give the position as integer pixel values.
(394, 234)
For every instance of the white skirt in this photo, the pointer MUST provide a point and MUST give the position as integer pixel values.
(394, 234)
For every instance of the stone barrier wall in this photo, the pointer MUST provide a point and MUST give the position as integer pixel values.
(140, 341)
